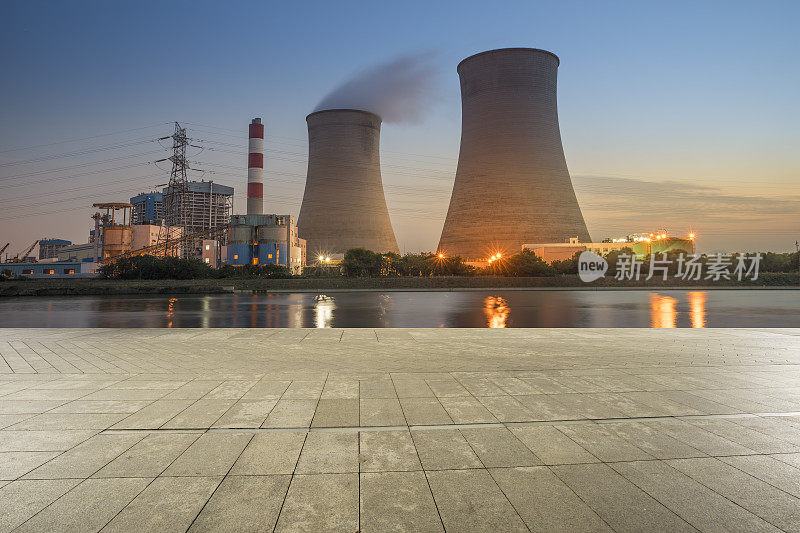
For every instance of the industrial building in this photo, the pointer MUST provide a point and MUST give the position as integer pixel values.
(257, 238)
(148, 208)
(52, 270)
(343, 203)
(208, 205)
(265, 240)
(48, 248)
(642, 245)
(512, 185)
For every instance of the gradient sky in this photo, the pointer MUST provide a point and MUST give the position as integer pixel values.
(681, 115)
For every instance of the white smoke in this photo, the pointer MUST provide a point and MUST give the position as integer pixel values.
(401, 90)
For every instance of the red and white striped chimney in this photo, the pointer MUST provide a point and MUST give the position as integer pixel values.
(255, 169)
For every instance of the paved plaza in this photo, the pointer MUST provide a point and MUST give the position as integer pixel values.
(399, 430)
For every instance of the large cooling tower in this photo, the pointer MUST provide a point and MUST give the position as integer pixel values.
(512, 186)
(343, 203)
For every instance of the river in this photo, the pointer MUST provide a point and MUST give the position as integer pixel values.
(406, 309)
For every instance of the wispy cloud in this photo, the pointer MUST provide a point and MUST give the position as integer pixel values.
(615, 206)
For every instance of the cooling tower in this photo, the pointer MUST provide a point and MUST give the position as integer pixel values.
(343, 203)
(512, 186)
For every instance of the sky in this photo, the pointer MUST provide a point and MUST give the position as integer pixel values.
(676, 115)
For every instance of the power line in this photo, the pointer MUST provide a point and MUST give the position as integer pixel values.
(74, 154)
(81, 138)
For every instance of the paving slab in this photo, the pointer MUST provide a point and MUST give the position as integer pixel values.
(385, 451)
(417, 430)
(397, 501)
(167, 504)
(544, 502)
(470, 500)
(243, 503)
(321, 502)
(87, 507)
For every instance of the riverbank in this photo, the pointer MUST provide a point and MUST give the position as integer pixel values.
(96, 287)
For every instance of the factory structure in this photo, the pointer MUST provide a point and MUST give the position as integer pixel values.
(48, 248)
(640, 244)
(148, 208)
(343, 203)
(512, 185)
(512, 191)
(256, 238)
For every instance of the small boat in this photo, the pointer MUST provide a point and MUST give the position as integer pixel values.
(323, 298)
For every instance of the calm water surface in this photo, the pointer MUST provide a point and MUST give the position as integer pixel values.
(495, 309)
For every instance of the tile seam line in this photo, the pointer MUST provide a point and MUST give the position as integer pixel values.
(474, 425)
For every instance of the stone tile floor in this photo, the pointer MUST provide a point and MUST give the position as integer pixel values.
(399, 430)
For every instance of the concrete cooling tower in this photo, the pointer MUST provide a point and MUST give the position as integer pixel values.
(343, 203)
(512, 186)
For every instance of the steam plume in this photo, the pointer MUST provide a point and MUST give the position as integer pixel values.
(400, 90)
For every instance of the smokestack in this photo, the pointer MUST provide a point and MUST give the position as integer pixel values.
(343, 202)
(255, 169)
(512, 185)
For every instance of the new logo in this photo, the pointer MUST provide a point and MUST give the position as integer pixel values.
(591, 266)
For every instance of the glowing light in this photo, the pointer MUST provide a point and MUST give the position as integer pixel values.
(498, 255)
(441, 256)
(496, 310)
(691, 235)
(663, 312)
(327, 259)
(321, 258)
(697, 308)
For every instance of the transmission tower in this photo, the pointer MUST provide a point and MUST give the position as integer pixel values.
(175, 206)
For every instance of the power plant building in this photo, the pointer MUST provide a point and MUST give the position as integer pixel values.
(257, 238)
(265, 240)
(511, 165)
(343, 202)
(148, 208)
(48, 248)
(208, 205)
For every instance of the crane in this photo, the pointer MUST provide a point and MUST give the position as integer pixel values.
(21, 257)
(3, 249)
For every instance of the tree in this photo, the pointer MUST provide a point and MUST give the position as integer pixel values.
(525, 264)
(360, 262)
(567, 266)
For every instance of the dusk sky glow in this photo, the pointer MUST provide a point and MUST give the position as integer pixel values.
(680, 115)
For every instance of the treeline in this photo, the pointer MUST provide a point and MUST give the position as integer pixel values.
(147, 267)
(363, 263)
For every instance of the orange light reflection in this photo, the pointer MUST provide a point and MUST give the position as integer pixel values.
(662, 311)
(697, 308)
(496, 310)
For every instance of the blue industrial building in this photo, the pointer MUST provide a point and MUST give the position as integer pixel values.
(148, 208)
(54, 269)
(265, 240)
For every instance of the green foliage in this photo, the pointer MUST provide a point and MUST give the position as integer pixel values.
(567, 266)
(523, 264)
(612, 257)
(360, 262)
(150, 267)
(254, 271)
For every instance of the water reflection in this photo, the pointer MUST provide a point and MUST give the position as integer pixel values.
(323, 312)
(171, 311)
(472, 309)
(662, 311)
(496, 310)
(697, 308)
